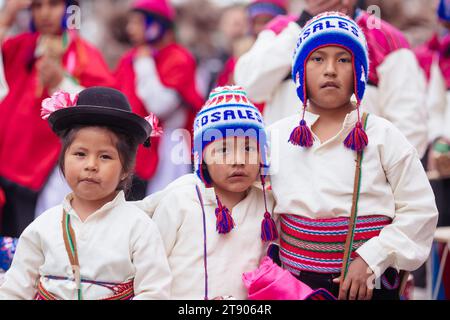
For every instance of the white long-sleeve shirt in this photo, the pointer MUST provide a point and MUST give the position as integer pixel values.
(399, 96)
(178, 214)
(115, 244)
(318, 183)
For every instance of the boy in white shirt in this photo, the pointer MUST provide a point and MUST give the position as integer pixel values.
(313, 174)
(210, 221)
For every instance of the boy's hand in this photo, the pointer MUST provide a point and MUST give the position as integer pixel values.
(355, 286)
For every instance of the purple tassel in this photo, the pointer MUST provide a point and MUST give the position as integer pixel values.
(301, 135)
(268, 228)
(357, 138)
(224, 222)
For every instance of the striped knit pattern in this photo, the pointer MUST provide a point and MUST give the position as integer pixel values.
(317, 245)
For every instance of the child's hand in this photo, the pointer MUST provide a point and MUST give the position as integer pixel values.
(355, 286)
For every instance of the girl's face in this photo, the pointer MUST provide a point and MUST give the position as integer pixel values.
(233, 163)
(136, 28)
(47, 15)
(92, 165)
(329, 77)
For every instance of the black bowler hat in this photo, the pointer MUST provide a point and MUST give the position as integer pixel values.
(101, 106)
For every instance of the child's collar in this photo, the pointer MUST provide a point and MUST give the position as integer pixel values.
(209, 194)
(120, 197)
(349, 121)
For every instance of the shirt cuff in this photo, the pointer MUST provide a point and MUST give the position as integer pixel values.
(376, 256)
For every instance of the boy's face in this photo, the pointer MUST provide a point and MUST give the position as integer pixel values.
(329, 77)
(92, 165)
(233, 163)
(47, 15)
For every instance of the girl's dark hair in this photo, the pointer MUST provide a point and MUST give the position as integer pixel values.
(126, 147)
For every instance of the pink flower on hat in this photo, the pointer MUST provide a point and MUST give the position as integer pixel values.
(154, 122)
(59, 100)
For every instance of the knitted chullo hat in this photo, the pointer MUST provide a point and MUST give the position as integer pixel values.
(162, 8)
(229, 113)
(270, 7)
(331, 29)
(159, 17)
(444, 10)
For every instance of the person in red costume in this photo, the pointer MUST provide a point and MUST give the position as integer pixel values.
(51, 57)
(158, 76)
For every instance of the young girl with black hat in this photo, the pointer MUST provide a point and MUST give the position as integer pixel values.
(94, 245)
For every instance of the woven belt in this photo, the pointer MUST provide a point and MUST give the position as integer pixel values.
(121, 291)
(317, 245)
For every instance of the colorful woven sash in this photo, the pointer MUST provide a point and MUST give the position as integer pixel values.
(121, 291)
(317, 245)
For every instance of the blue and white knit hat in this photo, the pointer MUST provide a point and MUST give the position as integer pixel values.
(331, 29)
(229, 113)
(444, 10)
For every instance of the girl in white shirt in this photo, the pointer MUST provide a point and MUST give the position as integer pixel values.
(313, 174)
(94, 245)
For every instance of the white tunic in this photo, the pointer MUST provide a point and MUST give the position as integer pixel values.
(318, 183)
(399, 97)
(116, 243)
(178, 214)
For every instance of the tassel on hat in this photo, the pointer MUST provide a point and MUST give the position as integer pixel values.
(357, 139)
(302, 135)
(224, 220)
(268, 227)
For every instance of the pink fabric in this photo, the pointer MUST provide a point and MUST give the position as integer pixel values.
(161, 7)
(281, 3)
(435, 48)
(279, 23)
(381, 42)
(271, 282)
